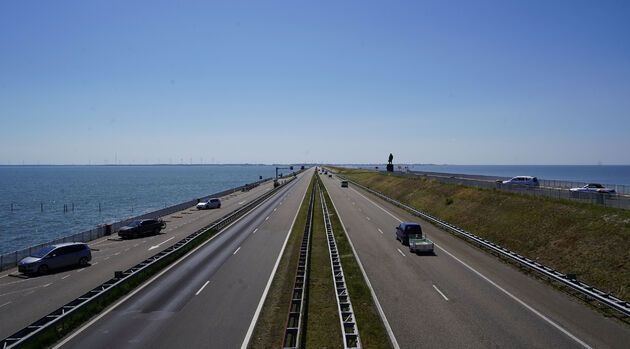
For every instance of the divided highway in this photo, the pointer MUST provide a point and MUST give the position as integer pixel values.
(24, 300)
(461, 297)
(209, 297)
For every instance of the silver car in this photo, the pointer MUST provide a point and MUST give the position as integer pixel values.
(56, 256)
(209, 203)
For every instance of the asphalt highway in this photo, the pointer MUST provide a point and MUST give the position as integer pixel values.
(208, 299)
(27, 299)
(461, 296)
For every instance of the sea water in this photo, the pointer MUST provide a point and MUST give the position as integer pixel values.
(43, 203)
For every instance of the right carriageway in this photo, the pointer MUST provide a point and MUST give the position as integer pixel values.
(461, 296)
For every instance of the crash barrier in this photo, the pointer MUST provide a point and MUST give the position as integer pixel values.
(569, 280)
(9, 260)
(57, 317)
(547, 188)
(347, 319)
(295, 316)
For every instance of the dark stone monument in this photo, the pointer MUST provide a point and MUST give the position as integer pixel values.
(390, 166)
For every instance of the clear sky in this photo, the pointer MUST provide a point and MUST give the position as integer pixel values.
(458, 82)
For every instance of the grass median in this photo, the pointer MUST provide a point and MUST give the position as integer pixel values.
(589, 240)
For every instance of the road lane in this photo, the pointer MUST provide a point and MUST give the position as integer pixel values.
(477, 313)
(208, 298)
(27, 301)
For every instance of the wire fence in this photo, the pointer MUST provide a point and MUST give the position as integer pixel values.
(9, 260)
(548, 188)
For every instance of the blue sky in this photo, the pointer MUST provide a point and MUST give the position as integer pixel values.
(458, 82)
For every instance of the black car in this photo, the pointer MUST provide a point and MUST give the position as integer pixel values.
(141, 227)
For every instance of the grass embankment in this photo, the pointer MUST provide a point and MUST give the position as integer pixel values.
(269, 330)
(589, 240)
(371, 328)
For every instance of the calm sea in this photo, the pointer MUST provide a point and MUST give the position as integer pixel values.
(605, 174)
(38, 195)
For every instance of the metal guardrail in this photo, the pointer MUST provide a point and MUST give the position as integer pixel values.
(348, 322)
(41, 326)
(586, 289)
(295, 316)
(548, 188)
(11, 259)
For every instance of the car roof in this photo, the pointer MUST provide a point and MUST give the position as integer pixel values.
(404, 225)
(67, 244)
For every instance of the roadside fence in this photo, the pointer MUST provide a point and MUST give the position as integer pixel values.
(548, 188)
(9, 260)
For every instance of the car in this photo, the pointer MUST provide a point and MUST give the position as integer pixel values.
(594, 188)
(344, 184)
(141, 227)
(405, 229)
(522, 180)
(55, 257)
(209, 203)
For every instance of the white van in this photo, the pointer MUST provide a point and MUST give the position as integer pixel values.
(522, 180)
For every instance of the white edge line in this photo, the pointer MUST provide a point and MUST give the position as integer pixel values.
(252, 324)
(518, 300)
(150, 281)
(440, 292)
(255, 230)
(546, 319)
(236, 250)
(379, 230)
(375, 204)
(401, 252)
(388, 328)
(202, 287)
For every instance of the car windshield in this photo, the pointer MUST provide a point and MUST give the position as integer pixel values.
(594, 185)
(44, 251)
(413, 229)
(134, 224)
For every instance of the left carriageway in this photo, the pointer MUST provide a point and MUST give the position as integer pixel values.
(208, 298)
(24, 300)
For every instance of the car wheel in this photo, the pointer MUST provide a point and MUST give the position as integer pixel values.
(83, 261)
(43, 269)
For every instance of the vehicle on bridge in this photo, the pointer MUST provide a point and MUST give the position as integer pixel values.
(209, 203)
(55, 257)
(594, 188)
(411, 234)
(344, 184)
(141, 227)
(522, 180)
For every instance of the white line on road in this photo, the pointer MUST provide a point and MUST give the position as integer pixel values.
(274, 210)
(440, 292)
(546, 319)
(116, 254)
(401, 252)
(202, 287)
(368, 218)
(379, 230)
(267, 218)
(106, 258)
(388, 328)
(255, 230)
(48, 284)
(65, 276)
(158, 245)
(2, 305)
(250, 330)
(242, 202)
(236, 250)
